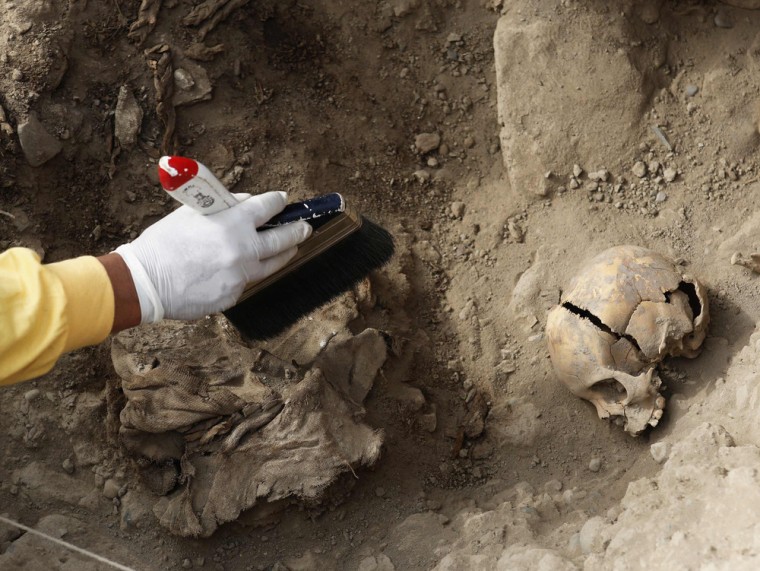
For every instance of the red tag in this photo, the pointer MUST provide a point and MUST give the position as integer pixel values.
(173, 172)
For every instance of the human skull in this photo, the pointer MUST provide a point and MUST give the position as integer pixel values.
(625, 311)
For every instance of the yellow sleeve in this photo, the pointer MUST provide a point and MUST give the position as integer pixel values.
(46, 310)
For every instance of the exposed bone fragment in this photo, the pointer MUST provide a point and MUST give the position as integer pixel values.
(751, 263)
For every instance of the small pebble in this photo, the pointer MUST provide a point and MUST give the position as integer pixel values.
(187, 564)
(595, 465)
(426, 142)
(640, 169)
(659, 451)
(16, 75)
(111, 489)
(691, 90)
(661, 197)
(457, 209)
(469, 142)
(31, 395)
(432, 162)
(183, 79)
(670, 174)
(68, 466)
(577, 171)
(380, 492)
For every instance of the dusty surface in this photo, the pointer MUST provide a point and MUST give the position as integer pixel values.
(502, 144)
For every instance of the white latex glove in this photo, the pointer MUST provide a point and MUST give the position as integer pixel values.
(187, 265)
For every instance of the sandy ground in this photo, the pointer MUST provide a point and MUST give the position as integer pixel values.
(492, 220)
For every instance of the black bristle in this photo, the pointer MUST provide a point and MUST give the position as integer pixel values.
(340, 268)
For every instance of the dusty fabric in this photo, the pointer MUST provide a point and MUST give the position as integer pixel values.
(225, 426)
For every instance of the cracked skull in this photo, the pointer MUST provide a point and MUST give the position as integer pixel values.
(625, 311)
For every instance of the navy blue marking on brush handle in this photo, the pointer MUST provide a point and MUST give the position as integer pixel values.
(315, 211)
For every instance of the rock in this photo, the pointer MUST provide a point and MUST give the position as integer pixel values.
(474, 422)
(187, 564)
(17, 75)
(640, 169)
(469, 142)
(659, 451)
(68, 466)
(183, 80)
(600, 176)
(577, 171)
(595, 465)
(529, 50)
(691, 90)
(111, 489)
(590, 537)
(31, 395)
(38, 145)
(426, 142)
(432, 162)
(127, 118)
(661, 197)
(192, 82)
(457, 209)
(669, 174)
(380, 492)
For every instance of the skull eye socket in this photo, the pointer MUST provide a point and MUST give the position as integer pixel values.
(691, 291)
(610, 390)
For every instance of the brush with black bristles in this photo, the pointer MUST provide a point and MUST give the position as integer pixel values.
(342, 250)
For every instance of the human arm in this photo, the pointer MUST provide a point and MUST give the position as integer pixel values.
(183, 267)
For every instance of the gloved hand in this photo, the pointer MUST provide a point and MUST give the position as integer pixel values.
(187, 265)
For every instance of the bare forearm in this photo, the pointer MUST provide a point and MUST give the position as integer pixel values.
(126, 305)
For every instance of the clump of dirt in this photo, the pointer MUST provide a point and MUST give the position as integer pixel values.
(502, 144)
